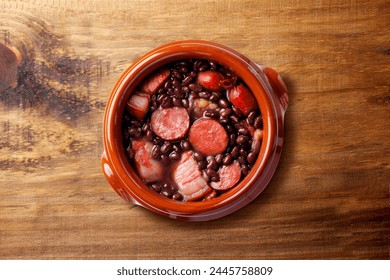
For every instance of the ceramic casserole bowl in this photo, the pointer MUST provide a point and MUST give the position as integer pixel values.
(270, 94)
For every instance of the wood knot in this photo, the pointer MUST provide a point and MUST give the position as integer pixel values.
(10, 58)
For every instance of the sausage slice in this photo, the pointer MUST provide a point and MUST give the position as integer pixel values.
(171, 123)
(229, 176)
(208, 136)
(156, 80)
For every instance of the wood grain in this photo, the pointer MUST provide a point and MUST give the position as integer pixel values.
(329, 198)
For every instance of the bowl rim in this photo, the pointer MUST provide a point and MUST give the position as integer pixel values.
(237, 197)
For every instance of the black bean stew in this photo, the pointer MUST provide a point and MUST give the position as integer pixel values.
(192, 130)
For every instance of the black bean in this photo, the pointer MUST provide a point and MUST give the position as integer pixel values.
(219, 158)
(242, 139)
(210, 113)
(251, 117)
(177, 196)
(176, 147)
(243, 152)
(224, 120)
(234, 119)
(232, 139)
(185, 145)
(211, 172)
(213, 65)
(235, 152)
(203, 67)
(145, 127)
(207, 178)
(223, 103)
(149, 135)
(258, 122)
(166, 147)
(202, 164)
(185, 89)
(174, 155)
(193, 74)
(229, 128)
(198, 156)
(176, 83)
(197, 64)
(226, 112)
(176, 74)
(176, 101)
(214, 96)
(167, 102)
(183, 63)
(187, 80)
(195, 87)
(161, 97)
(156, 187)
(178, 93)
(212, 163)
(157, 140)
(237, 111)
(166, 192)
(204, 94)
(153, 107)
(243, 131)
(156, 152)
(135, 131)
(183, 69)
(228, 149)
(167, 84)
(241, 160)
(244, 169)
(135, 123)
(251, 158)
(227, 159)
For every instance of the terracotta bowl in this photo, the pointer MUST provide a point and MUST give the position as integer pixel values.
(271, 95)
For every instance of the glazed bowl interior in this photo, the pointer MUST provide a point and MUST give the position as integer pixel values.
(153, 60)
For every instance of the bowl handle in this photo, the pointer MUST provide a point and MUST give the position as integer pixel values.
(113, 180)
(278, 86)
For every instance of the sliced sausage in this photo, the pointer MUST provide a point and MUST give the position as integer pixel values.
(171, 123)
(154, 81)
(208, 136)
(229, 175)
(211, 80)
(149, 169)
(242, 98)
(188, 178)
(138, 105)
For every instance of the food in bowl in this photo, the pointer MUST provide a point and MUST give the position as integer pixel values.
(192, 130)
(171, 154)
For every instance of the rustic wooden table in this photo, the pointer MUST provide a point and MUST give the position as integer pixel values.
(329, 198)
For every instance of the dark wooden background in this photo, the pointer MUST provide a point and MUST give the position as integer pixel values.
(329, 198)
